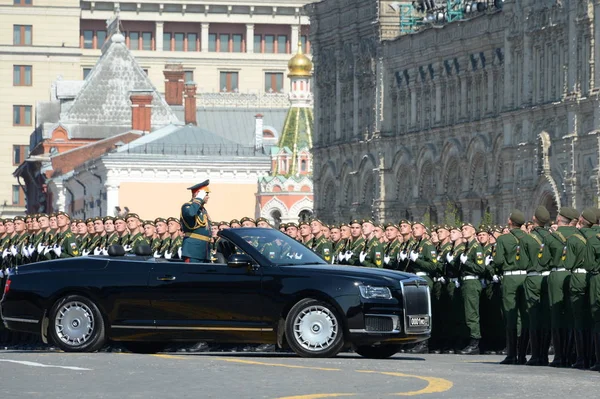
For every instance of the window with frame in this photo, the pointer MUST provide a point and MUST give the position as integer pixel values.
(224, 43)
(257, 43)
(189, 76)
(229, 82)
(147, 41)
(86, 72)
(192, 42)
(21, 115)
(269, 43)
(100, 38)
(20, 153)
(273, 82)
(17, 195)
(167, 36)
(303, 165)
(88, 39)
(22, 35)
(304, 41)
(179, 41)
(236, 43)
(212, 42)
(282, 44)
(22, 75)
(23, 2)
(134, 40)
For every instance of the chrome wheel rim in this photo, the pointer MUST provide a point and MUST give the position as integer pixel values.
(74, 323)
(315, 328)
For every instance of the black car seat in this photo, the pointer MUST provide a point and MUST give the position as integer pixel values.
(143, 250)
(116, 250)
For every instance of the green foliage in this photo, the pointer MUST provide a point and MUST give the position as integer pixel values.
(427, 218)
(487, 219)
(451, 215)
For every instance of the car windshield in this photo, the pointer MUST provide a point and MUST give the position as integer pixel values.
(277, 247)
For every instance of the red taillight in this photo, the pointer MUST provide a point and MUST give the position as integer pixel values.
(7, 286)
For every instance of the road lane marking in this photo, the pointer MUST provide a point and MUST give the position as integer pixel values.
(242, 361)
(434, 384)
(35, 364)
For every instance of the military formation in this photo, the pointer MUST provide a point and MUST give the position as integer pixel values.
(524, 288)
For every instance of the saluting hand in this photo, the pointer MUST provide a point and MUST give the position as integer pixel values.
(201, 194)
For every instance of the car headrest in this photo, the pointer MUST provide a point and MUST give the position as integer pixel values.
(143, 250)
(116, 250)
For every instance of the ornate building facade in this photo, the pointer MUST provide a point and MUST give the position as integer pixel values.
(484, 114)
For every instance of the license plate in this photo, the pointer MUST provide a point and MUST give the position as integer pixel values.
(418, 321)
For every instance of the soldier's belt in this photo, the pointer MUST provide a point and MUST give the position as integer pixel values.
(470, 278)
(514, 273)
(558, 269)
(580, 271)
(546, 273)
(198, 236)
(531, 274)
(421, 274)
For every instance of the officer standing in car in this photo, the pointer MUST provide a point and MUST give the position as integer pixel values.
(196, 225)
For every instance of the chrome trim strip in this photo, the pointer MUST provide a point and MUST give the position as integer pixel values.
(193, 328)
(19, 320)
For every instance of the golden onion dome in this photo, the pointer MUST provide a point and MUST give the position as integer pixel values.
(300, 65)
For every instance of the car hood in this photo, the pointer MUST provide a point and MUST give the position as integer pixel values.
(358, 272)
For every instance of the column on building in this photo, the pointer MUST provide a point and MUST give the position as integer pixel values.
(294, 38)
(250, 38)
(529, 97)
(438, 93)
(204, 38)
(159, 35)
(596, 48)
(112, 197)
(60, 196)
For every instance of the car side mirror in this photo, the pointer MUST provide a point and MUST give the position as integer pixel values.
(239, 261)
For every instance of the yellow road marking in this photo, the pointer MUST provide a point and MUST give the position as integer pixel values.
(434, 384)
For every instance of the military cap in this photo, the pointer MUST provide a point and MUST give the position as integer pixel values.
(89, 220)
(355, 221)
(79, 221)
(224, 223)
(150, 222)
(8, 220)
(234, 221)
(457, 228)
(419, 222)
(317, 220)
(517, 217)
(291, 224)
(21, 218)
(542, 215)
(465, 224)
(368, 220)
(344, 224)
(568, 212)
(443, 227)
(404, 221)
(283, 225)
(65, 214)
(173, 219)
(262, 219)
(52, 215)
(334, 226)
(98, 218)
(119, 218)
(390, 224)
(589, 214)
(199, 186)
(132, 215)
(107, 218)
(303, 223)
(42, 215)
(157, 220)
(247, 219)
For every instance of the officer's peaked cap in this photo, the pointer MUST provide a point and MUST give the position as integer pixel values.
(200, 185)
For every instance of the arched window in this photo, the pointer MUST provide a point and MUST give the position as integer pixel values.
(276, 217)
(305, 215)
(303, 165)
(268, 134)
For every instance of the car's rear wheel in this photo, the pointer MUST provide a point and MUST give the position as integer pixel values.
(76, 325)
(314, 329)
(377, 351)
(145, 347)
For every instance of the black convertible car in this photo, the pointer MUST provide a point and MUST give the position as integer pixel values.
(268, 288)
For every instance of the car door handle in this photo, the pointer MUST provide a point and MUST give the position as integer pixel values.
(166, 278)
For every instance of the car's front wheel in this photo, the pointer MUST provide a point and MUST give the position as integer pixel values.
(378, 351)
(76, 325)
(313, 329)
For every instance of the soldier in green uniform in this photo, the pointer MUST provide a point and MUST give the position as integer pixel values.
(536, 290)
(336, 242)
(392, 246)
(95, 243)
(472, 267)
(407, 245)
(20, 240)
(583, 246)
(371, 253)
(424, 263)
(319, 244)
(225, 225)
(162, 229)
(455, 327)
(234, 224)
(66, 244)
(355, 244)
(594, 284)
(554, 256)
(513, 261)
(441, 308)
(305, 232)
(151, 235)
(174, 229)
(491, 312)
(291, 229)
(121, 230)
(111, 237)
(247, 222)
(136, 233)
(196, 225)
